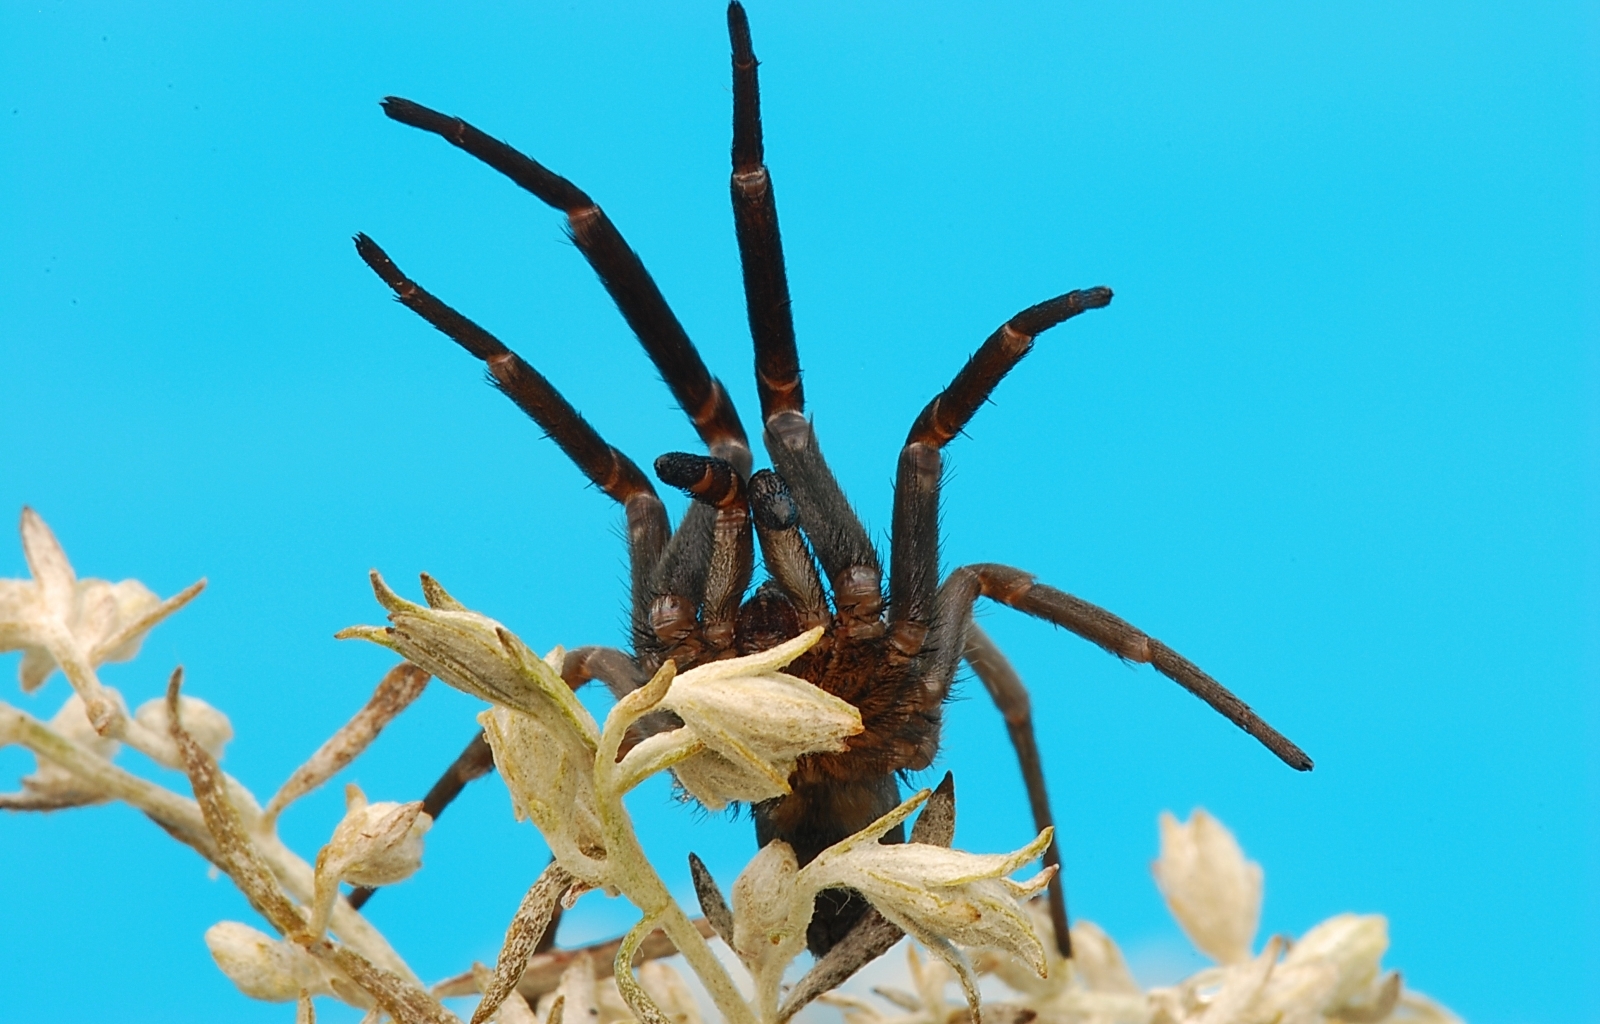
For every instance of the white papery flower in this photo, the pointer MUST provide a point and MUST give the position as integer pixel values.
(550, 775)
(943, 898)
(770, 914)
(471, 652)
(55, 606)
(209, 727)
(1209, 886)
(373, 844)
(938, 895)
(1335, 968)
(754, 723)
(1333, 975)
(275, 970)
(543, 739)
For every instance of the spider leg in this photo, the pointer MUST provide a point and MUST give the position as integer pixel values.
(914, 544)
(755, 219)
(837, 536)
(1005, 688)
(620, 673)
(638, 298)
(610, 470)
(677, 588)
(784, 551)
(716, 485)
(1016, 588)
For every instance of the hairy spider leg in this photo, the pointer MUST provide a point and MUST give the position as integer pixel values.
(606, 467)
(1010, 696)
(680, 577)
(641, 303)
(716, 484)
(837, 537)
(1017, 588)
(755, 220)
(914, 550)
(952, 635)
(784, 550)
(914, 539)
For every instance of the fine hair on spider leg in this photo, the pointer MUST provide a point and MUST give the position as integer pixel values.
(891, 651)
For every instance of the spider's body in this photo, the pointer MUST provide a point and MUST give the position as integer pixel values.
(891, 647)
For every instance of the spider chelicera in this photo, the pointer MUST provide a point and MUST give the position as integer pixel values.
(892, 654)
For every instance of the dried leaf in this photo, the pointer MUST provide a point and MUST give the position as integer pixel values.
(526, 929)
(711, 901)
(515, 1010)
(936, 825)
(872, 936)
(399, 687)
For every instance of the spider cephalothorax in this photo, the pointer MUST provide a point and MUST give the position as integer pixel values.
(890, 651)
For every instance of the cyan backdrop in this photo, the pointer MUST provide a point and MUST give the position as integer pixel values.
(1333, 439)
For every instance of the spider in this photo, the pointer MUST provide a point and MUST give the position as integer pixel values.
(892, 652)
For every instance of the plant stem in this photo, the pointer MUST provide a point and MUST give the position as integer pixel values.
(632, 873)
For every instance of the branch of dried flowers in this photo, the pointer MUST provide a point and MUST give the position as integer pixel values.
(181, 817)
(565, 773)
(60, 621)
(398, 992)
(744, 726)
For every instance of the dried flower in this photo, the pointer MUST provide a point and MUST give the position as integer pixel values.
(56, 619)
(938, 895)
(753, 723)
(1332, 974)
(37, 616)
(374, 844)
(550, 774)
(209, 727)
(745, 724)
(275, 970)
(1210, 888)
(470, 651)
(769, 917)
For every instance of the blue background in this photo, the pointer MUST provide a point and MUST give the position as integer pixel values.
(1334, 439)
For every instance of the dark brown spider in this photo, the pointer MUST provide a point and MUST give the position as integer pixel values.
(893, 656)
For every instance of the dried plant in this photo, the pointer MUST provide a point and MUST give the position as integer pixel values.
(742, 724)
